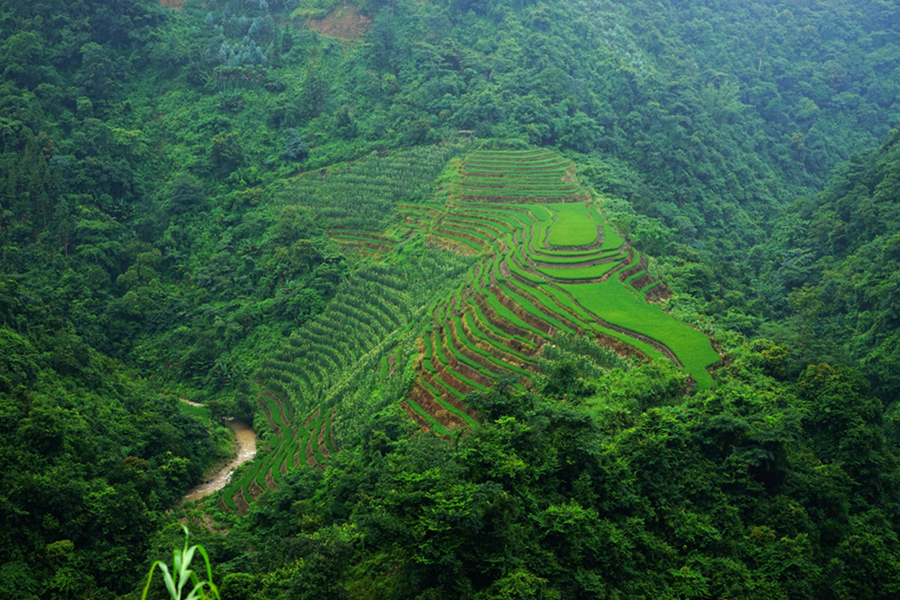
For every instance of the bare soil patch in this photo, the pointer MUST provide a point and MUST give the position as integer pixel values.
(658, 293)
(450, 380)
(641, 266)
(641, 282)
(448, 244)
(241, 501)
(345, 22)
(270, 481)
(255, 489)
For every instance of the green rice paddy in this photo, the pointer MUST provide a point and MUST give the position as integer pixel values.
(573, 226)
(612, 302)
(593, 272)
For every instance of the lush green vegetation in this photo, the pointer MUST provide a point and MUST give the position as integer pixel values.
(336, 221)
(608, 481)
(92, 458)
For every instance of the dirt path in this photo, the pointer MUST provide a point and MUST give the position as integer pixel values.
(246, 439)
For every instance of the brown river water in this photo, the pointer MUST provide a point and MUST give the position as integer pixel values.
(246, 439)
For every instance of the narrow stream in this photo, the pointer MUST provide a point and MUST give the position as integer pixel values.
(246, 438)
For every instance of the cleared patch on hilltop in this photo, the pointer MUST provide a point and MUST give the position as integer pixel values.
(176, 4)
(344, 22)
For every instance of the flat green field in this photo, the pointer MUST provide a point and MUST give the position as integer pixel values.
(612, 302)
(573, 226)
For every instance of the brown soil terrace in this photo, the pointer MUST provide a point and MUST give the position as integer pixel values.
(512, 344)
(659, 293)
(462, 368)
(500, 323)
(427, 402)
(528, 268)
(315, 415)
(255, 489)
(472, 355)
(441, 231)
(526, 316)
(449, 398)
(416, 417)
(450, 380)
(495, 350)
(452, 245)
(641, 282)
(241, 502)
(641, 266)
(560, 315)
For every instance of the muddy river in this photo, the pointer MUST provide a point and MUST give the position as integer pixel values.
(246, 439)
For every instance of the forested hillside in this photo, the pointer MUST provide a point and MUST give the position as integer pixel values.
(523, 299)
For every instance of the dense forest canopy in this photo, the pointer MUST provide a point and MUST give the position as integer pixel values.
(179, 192)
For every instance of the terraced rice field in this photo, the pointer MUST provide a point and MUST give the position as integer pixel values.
(332, 360)
(545, 267)
(540, 260)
